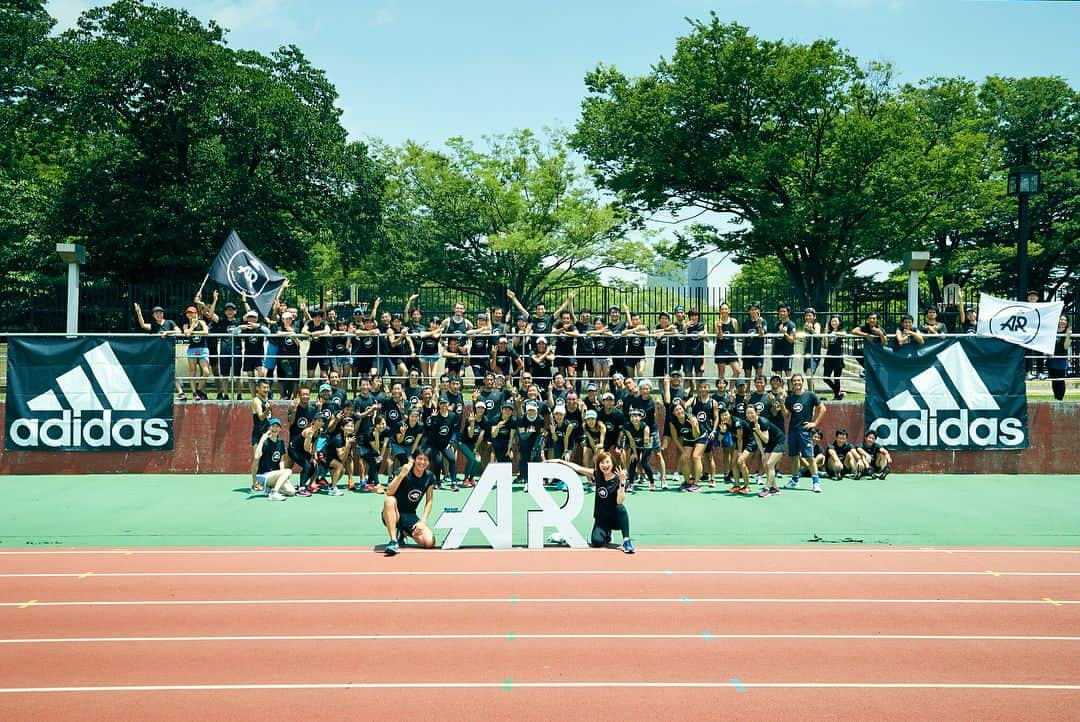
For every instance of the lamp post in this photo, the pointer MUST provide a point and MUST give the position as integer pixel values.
(914, 263)
(74, 255)
(1023, 181)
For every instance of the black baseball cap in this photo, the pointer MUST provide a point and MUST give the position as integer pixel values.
(229, 305)
(316, 311)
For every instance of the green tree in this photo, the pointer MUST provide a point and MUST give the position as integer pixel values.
(516, 215)
(176, 138)
(809, 152)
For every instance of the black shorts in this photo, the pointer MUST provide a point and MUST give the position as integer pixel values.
(406, 522)
(562, 362)
(251, 363)
(693, 365)
(726, 358)
(781, 363)
(753, 362)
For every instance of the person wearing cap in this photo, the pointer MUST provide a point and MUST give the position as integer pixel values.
(503, 433)
(441, 428)
(539, 322)
(288, 354)
(591, 400)
(811, 338)
(413, 482)
(530, 437)
(270, 467)
(541, 363)
(637, 438)
(591, 436)
(505, 359)
(609, 510)
(194, 330)
(268, 367)
(163, 327)
(753, 346)
(252, 336)
(693, 364)
(561, 435)
(664, 335)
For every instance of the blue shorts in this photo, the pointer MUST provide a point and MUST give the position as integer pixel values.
(270, 360)
(801, 443)
(198, 352)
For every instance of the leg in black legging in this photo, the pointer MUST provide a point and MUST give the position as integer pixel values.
(599, 536)
(1058, 383)
(624, 520)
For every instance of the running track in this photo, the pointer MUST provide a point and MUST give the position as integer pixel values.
(679, 634)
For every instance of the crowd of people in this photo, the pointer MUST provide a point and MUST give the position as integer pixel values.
(381, 395)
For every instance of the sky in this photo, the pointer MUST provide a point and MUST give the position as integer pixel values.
(428, 70)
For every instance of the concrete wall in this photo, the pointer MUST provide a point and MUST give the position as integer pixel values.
(214, 438)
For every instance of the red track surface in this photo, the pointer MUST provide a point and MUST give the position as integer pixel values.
(486, 620)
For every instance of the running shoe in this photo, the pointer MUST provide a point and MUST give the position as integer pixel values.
(628, 546)
(334, 491)
(793, 484)
(774, 491)
(454, 486)
(734, 489)
(857, 475)
(652, 486)
(745, 489)
(391, 548)
(693, 487)
(763, 493)
(629, 486)
(884, 472)
(276, 496)
(303, 491)
(816, 488)
(258, 488)
(181, 397)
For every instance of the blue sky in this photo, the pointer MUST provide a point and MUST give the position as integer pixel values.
(427, 70)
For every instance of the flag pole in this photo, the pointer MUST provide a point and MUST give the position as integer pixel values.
(201, 285)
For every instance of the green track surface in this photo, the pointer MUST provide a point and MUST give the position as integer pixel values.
(184, 510)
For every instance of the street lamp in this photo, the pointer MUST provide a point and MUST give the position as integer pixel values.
(74, 255)
(1023, 181)
(914, 263)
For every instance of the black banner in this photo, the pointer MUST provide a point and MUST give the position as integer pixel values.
(953, 393)
(241, 270)
(89, 394)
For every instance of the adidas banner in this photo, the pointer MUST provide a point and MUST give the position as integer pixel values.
(242, 271)
(954, 393)
(89, 394)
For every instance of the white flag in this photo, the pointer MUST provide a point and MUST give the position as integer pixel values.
(1031, 325)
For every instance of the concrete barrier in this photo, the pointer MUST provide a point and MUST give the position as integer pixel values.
(214, 437)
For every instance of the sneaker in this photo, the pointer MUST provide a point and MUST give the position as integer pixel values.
(181, 397)
(303, 491)
(1030, 376)
(842, 394)
(763, 493)
(334, 491)
(734, 489)
(629, 487)
(468, 483)
(628, 546)
(816, 488)
(652, 486)
(774, 492)
(257, 488)
(391, 548)
(693, 487)
(793, 484)
(454, 486)
(884, 472)
(556, 485)
(438, 486)
(745, 490)
(857, 475)
(276, 496)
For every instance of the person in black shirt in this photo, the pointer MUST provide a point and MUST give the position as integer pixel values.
(541, 363)
(270, 465)
(693, 364)
(768, 440)
(161, 326)
(875, 457)
(665, 336)
(317, 331)
(634, 337)
(783, 347)
(566, 334)
(905, 333)
(637, 439)
(530, 436)
(609, 510)
(840, 457)
(469, 444)
(834, 355)
(869, 332)
(413, 483)
(803, 411)
(971, 321)
(753, 345)
(441, 428)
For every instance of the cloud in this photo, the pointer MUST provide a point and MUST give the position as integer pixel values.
(241, 14)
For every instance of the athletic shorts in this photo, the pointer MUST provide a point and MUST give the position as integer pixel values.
(405, 522)
(726, 358)
(776, 447)
(270, 360)
(198, 352)
(602, 362)
(693, 365)
(781, 363)
(251, 363)
(800, 443)
(562, 362)
(753, 362)
(433, 358)
(339, 361)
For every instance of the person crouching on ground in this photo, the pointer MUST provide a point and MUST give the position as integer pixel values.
(609, 512)
(412, 483)
(271, 466)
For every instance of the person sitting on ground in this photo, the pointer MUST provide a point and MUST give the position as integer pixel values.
(413, 482)
(841, 457)
(270, 466)
(609, 511)
(875, 456)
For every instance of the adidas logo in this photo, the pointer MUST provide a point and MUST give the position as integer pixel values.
(99, 430)
(954, 408)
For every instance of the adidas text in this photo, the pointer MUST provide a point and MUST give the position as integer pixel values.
(956, 429)
(100, 431)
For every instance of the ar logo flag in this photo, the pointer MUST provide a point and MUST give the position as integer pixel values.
(241, 270)
(1031, 325)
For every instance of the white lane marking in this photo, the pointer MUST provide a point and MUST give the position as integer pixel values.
(516, 636)
(527, 600)
(544, 572)
(540, 685)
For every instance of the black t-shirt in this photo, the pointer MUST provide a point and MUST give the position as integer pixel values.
(252, 339)
(301, 418)
(441, 429)
(774, 434)
(801, 409)
(635, 346)
(841, 450)
(694, 345)
(871, 449)
(647, 406)
(492, 402)
(607, 496)
(412, 489)
(529, 429)
(781, 346)
(318, 344)
(272, 453)
(754, 345)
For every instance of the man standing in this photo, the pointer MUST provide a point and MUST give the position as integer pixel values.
(783, 348)
(803, 411)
